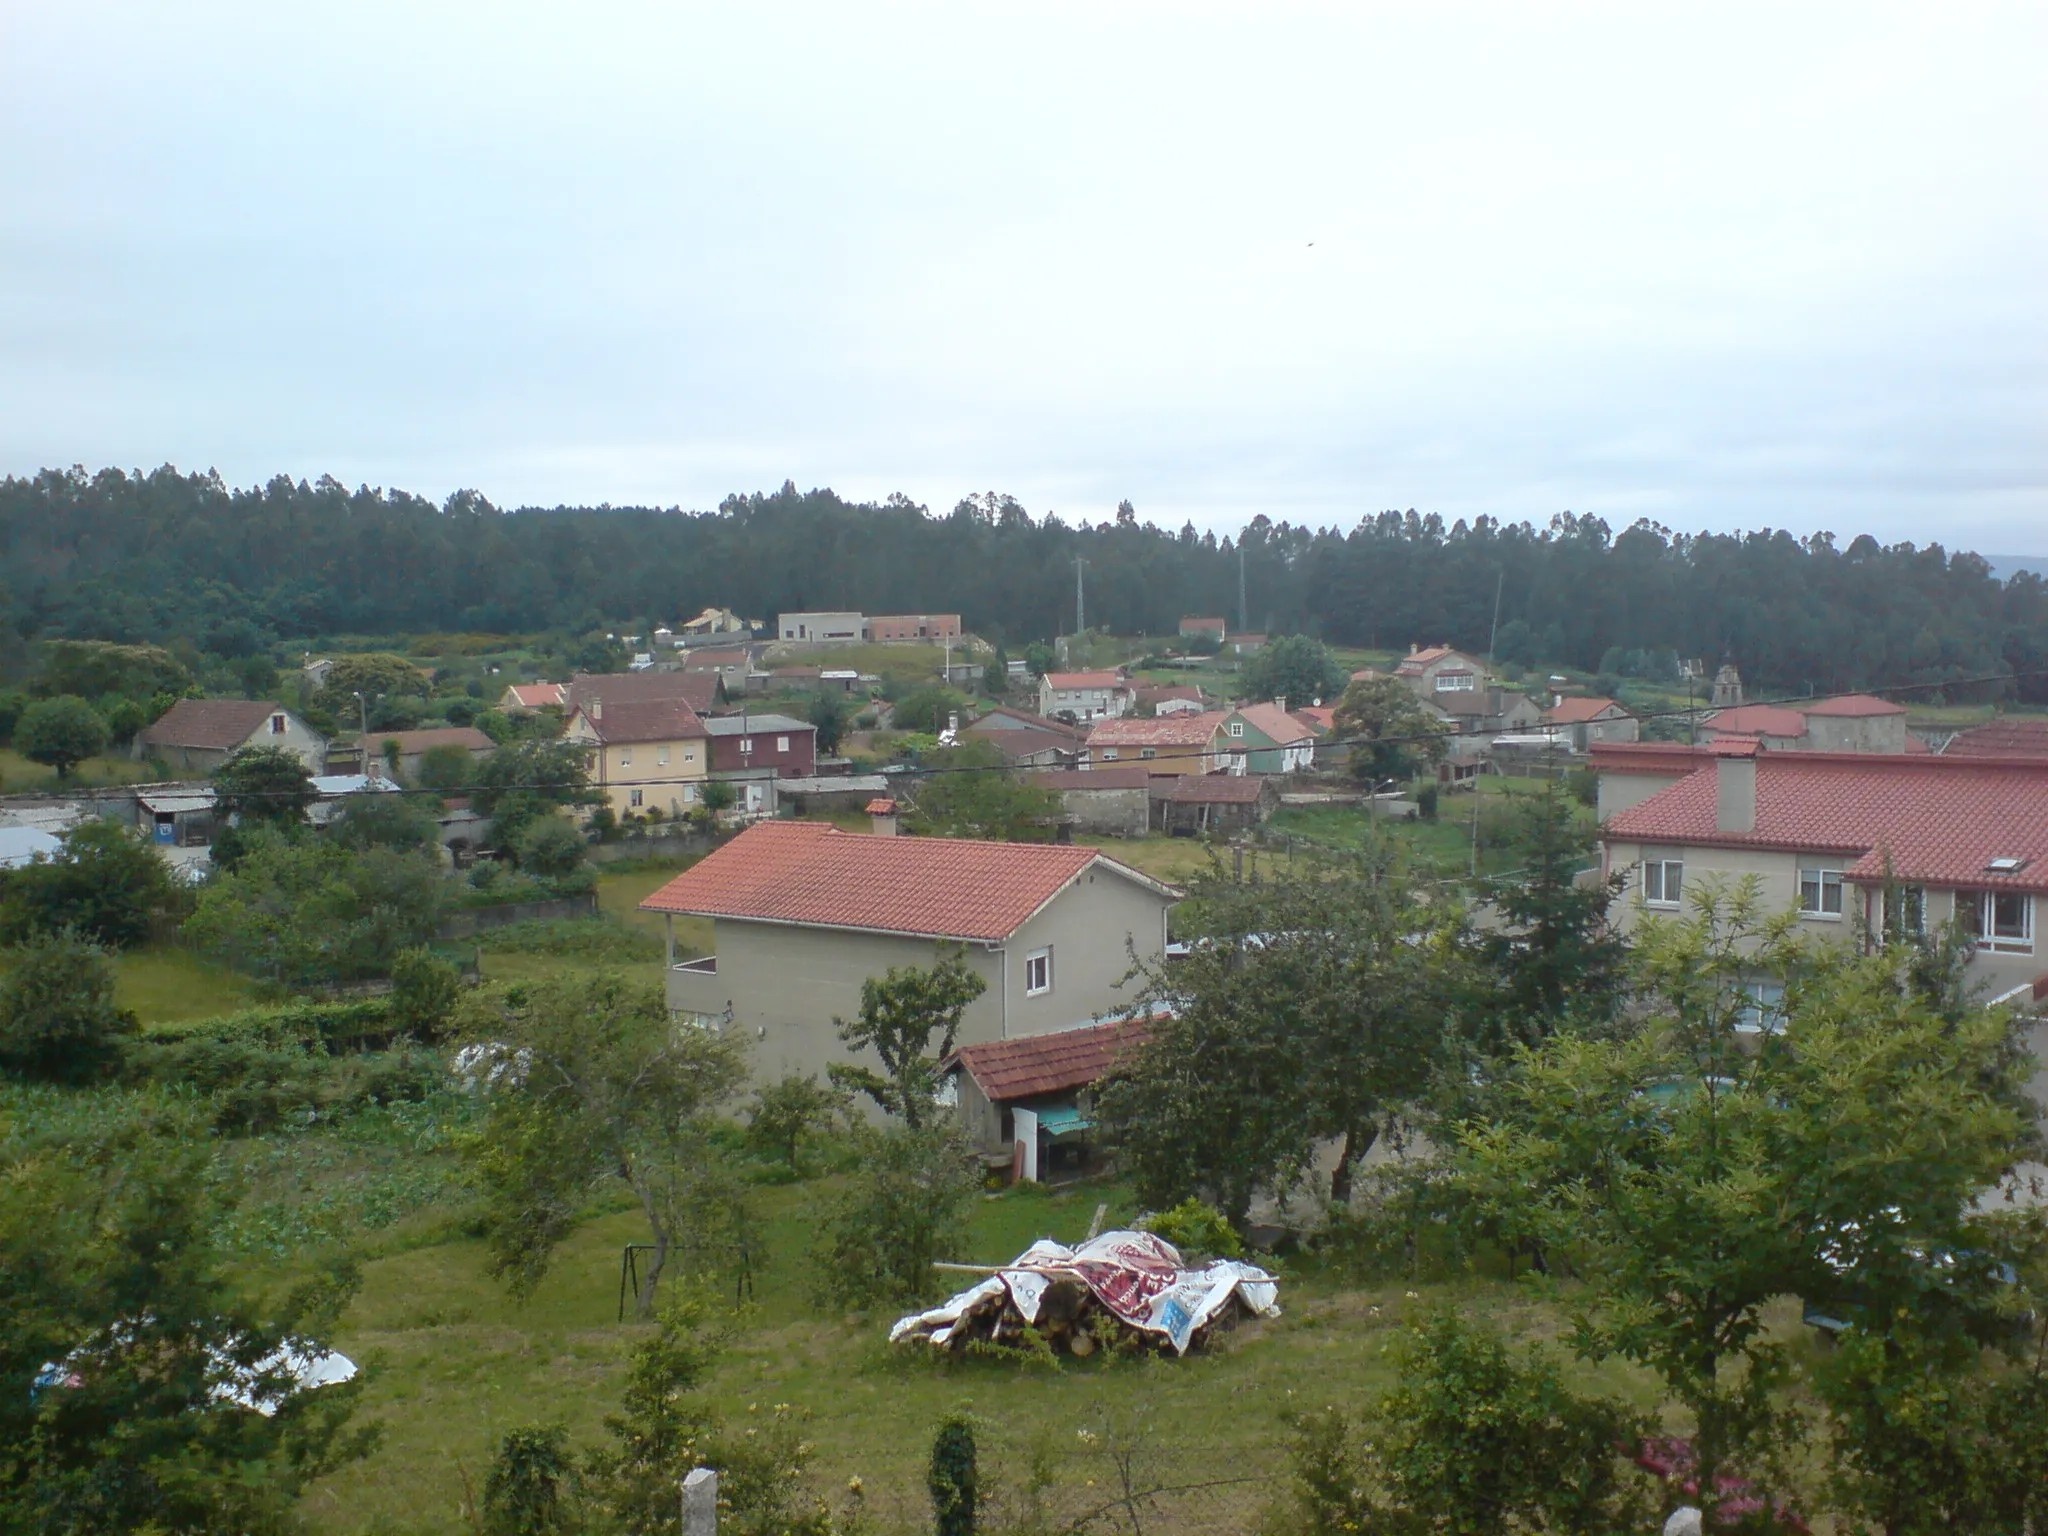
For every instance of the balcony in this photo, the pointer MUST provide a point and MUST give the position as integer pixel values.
(694, 988)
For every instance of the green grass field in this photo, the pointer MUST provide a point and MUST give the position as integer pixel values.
(19, 776)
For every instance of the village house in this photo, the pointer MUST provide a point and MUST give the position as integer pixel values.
(198, 735)
(906, 628)
(411, 747)
(1853, 845)
(1581, 722)
(1105, 802)
(1854, 722)
(646, 755)
(699, 690)
(732, 665)
(1213, 629)
(1217, 802)
(820, 628)
(1173, 745)
(1438, 669)
(525, 698)
(1027, 1104)
(1171, 699)
(749, 749)
(1086, 695)
(803, 913)
(1265, 738)
(1031, 741)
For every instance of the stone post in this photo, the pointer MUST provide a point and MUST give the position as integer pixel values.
(700, 1503)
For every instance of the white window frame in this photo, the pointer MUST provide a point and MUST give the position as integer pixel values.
(635, 799)
(1038, 972)
(1456, 682)
(782, 743)
(1237, 728)
(1982, 909)
(1819, 882)
(1764, 1011)
(625, 757)
(746, 746)
(1663, 881)
(661, 757)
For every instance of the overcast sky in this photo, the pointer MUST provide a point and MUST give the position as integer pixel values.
(1717, 266)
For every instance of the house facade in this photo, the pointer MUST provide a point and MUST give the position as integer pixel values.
(198, 735)
(906, 628)
(1268, 739)
(1031, 741)
(1166, 746)
(1852, 844)
(1855, 722)
(783, 746)
(802, 914)
(1108, 802)
(820, 628)
(1438, 669)
(1086, 696)
(1581, 722)
(645, 755)
(1217, 802)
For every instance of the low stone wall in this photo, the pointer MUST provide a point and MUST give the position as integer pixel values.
(680, 845)
(471, 920)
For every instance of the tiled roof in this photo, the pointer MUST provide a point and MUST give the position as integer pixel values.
(1758, 720)
(1579, 711)
(931, 887)
(1026, 741)
(994, 720)
(410, 742)
(1673, 757)
(756, 725)
(534, 695)
(646, 720)
(1217, 789)
(1322, 719)
(1035, 1064)
(1069, 680)
(1201, 624)
(1415, 661)
(1165, 731)
(710, 658)
(219, 724)
(1854, 705)
(2001, 738)
(1932, 820)
(1275, 722)
(697, 689)
(1161, 692)
(1137, 776)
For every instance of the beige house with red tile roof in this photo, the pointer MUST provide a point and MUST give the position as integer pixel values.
(1171, 744)
(1824, 833)
(804, 913)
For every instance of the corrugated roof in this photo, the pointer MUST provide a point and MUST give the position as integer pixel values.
(1217, 789)
(937, 887)
(20, 845)
(218, 724)
(1931, 820)
(1036, 1064)
(756, 725)
(2001, 738)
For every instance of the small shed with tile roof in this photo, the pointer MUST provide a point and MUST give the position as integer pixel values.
(1051, 1075)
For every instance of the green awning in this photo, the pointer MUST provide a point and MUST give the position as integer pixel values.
(1064, 1121)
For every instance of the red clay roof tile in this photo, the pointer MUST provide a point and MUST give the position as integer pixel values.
(1005, 1070)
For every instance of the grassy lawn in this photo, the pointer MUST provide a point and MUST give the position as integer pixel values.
(167, 986)
(1172, 859)
(455, 1364)
(20, 776)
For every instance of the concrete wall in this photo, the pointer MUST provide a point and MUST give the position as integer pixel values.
(1620, 792)
(1114, 812)
(821, 628)
(785, 984)
(1855, 733)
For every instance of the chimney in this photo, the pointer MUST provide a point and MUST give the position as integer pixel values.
(1281, 703)
(1735, 786)
(882, 817)
(596, 709)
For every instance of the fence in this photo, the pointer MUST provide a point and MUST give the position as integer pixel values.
(469, 920)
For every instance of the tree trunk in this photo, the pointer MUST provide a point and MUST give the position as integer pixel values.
(1357, 1143)
(652, 1279)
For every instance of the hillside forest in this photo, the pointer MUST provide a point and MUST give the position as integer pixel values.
(136, 557)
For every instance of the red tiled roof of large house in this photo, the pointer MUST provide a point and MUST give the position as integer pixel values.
(1757, 720)
(2001, 738)
(1853, 705)
(218, 724)
(1217, 789)
(641, 720)
(1416, 660)
(927, 887)
(1171, 736)
(696, 689)
(1054, 1063)
(1924, 819)
(1069, 680)
(1578, 711)
(1276, 722)
(537, 695)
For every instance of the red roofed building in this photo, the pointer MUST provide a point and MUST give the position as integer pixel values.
(646, 754)
(198, 735)
(1823, 833)
(1217, 802)
(803, 913)
(1171, 744)
(1855, 722)
(1585, 721)
(1049, 1077)
(524, 698)
(1086, 695)
(2001, 738)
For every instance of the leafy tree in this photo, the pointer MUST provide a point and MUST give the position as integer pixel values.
(900, 1013)
(1556, 961)
(124, 718)
(1040, 658)
(1293, 667)
(927, 709)
(105, 882)
(828, 713)
(374, 675)
(384, 819)
(528, 779)
(446, 768)
(549, 847)
(791, 1112)
(424, 992)
(995, 677)
(605, 1089)
(1692, 1176)
(111, 1256)
(971, 791)
(60, 733)
(716, 795)
(1392, 734)
(264, 786)
(59, 1021)
(311, 912)
(12, 703)
(904, 1208)
(95, 669)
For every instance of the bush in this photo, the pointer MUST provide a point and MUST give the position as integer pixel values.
(1198, 1230)
(251, 1085)
(951, 1477)
(904, 1208)
(1425, 801)
(424, 988)
(58, 1018)
(530, 1488)
(550, 847)
(106, 882)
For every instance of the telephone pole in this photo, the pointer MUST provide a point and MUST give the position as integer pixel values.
(1244, 621)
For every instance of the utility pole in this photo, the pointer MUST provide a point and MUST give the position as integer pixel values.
(1080, 600)
(1244, 622)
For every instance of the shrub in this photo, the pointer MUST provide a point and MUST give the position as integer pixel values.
(1425, 801)
(589, 938)
(1196, 1229)
(903, 1209)
(106, 882)
(58, 1018)
(530, 1487)
(424, 988)
(951, 1477)
(548, 846)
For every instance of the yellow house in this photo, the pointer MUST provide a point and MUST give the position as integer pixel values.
(647, 755)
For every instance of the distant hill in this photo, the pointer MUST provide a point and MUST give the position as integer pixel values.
(2005, 567)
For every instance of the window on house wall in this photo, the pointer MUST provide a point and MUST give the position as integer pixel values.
(1454, 682)
(782, 743)
(277, 725)
(1237, 727)
(689, 754)
(1905, 909)
(1149, 752)
(746, 744)
(1038, 972)
(661, 757)
(635, 798)
(1998, 920)
(1763, 1007)
(1820, 891)
(1663, 881)
(626, 758)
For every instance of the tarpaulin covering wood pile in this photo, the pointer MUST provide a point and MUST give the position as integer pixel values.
(1081, 1298)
